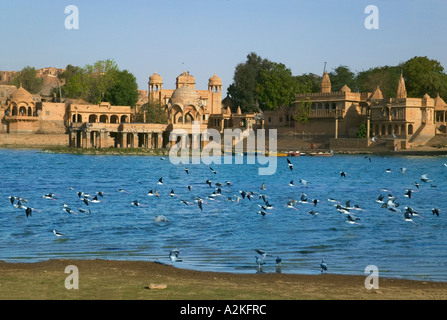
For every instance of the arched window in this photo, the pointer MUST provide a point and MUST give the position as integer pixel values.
(114, 119)
(123, 118)
(103, 118)
(410, 129)
(92, 118)
(188, 118)
(22, 111)
(14, 111)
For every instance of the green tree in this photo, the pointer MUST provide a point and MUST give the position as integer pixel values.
(308, 83)
(76, 84)
(124, 92)
(303, 111)
(243, 90)
(386, 77)
(101, 81)
(362, 132)
(423, 75)
(27, 77)
(155, 113)
(276, 87)
(101, 78)
(341, 76)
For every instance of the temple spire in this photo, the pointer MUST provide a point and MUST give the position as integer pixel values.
(325, 83)
(401, 90)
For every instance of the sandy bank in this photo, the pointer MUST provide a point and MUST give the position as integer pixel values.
(134, 280)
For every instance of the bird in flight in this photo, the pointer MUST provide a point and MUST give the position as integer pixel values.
(58, 234)
(290, 164)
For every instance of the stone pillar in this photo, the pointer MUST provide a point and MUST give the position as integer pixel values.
(124, 140)
(149, 140)
(368, 127)
(336, 127)
(159, 140)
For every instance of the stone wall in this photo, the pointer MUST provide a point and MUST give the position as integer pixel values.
(348, 144)
(33, 140)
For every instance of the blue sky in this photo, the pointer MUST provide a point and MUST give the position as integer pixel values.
(213, 36)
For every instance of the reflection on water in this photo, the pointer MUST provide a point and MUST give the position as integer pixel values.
(224, 235)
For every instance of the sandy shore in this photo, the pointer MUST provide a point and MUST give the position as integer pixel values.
(137, 280)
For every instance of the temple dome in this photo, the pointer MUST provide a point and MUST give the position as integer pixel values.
(185, 79)
(155, 78)
(215, 81)
(21, 95)
(184, 94)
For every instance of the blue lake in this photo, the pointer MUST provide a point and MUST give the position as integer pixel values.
(224, 235)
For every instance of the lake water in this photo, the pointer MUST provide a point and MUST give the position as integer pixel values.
(224, 235)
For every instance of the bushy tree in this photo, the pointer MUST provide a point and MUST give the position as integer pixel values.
(27, 77)
(424, 75)
(155, 113)
(341, 76)
(276, 87)
(308, 83)
(101, 81)
(386, 77)
(124, 91)
(243, 90)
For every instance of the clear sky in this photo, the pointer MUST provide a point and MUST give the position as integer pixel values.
(213, 36)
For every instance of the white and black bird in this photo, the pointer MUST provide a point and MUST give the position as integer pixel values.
(408, 193)
(435, 211)
(174, 256)
(49, 196)
(213, 171)
(323, 266)
(408, 216)
(262, 253)
(352, 220)
(259, 262)
(425, 178)
(160, 181)
(58, 234)
(290, 164)
(278, 261)
(343, 174)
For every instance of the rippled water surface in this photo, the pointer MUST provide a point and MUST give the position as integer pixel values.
(224, 235)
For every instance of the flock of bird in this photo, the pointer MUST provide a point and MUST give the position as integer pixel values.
(387, 201)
